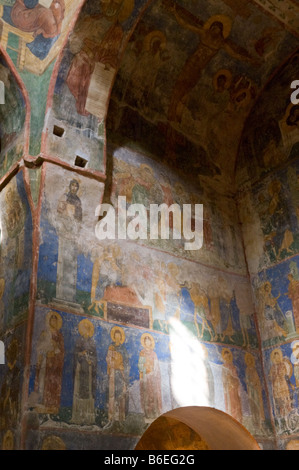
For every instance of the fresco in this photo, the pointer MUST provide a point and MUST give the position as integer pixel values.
(16, 252)
(85, 78)
(67, 224)
(177, 110)
(115, 319)
(79, 272)
(276, 140)
(33, 31)
(274, 225)
(11, 377)
(110, 378)
(276, 291)
(141, 181)
(126, 330)
(268, 201)
(12, 113)
(282, 378)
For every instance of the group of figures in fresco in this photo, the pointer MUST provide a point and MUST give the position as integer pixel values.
(50, 364)
(242, 396)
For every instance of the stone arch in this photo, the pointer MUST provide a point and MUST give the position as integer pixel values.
(196, 428)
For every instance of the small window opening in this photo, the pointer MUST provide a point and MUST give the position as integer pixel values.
(81, 162)
(59, 131)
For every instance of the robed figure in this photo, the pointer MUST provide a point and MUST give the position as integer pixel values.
(85, 364)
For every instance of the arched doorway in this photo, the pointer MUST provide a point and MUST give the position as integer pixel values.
(196, 428)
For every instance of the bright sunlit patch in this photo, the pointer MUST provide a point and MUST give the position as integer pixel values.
(189, 378)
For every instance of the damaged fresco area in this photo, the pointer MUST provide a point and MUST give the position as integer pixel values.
(15, 252)
(11, 382)
(12, 115)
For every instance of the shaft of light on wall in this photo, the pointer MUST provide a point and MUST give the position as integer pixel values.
(189, 378)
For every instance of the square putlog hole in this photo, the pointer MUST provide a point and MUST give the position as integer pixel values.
(81, 162)
(58, 131)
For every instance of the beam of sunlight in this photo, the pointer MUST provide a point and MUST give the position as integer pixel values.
(189, 377)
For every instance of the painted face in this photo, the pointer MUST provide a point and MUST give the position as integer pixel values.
(53, 322)
(216, 30)
(276, 357)
(221, 82)
(117, 337)
(111, 8)
(74, 188)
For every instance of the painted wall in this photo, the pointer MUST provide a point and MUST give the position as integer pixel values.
(164, 327)
(16, 268)
(114, 333)
(268, 202)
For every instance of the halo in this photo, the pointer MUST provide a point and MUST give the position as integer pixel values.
(224, 20)
(53, 443)
(52, 313)
(228, 76)
(120, 330)
(295, 345)
(143, 338)
(149, 38)
(86, 326)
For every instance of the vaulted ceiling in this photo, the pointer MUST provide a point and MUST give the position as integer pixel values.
(178, 80)
(191, 74)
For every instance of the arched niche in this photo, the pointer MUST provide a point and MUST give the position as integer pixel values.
(196, 428)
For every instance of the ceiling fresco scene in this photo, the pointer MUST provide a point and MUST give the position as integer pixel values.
(190, 75)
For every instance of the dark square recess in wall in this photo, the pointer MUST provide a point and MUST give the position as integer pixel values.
(58, 131)
(81, 162)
